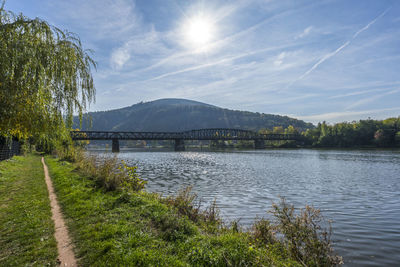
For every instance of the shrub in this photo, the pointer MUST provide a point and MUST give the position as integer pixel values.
(304, 236)
(131, 179)
(187, 204)
(263, 232)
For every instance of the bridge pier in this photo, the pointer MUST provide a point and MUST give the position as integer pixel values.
(115, 145)
(259, 144)
(179, 145)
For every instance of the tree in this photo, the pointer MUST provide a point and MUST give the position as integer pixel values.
(397, 138)
(291, 130)
(382, 138)
(45, 76)
(278, 130)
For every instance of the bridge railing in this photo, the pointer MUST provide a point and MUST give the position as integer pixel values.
(201, 134)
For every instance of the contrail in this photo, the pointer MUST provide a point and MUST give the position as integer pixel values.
(372, 22)
(328, 56)
(322, 60)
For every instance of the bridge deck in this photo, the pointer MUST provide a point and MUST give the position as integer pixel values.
(201, 134)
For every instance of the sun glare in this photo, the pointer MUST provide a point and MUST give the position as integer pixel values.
(199, 31)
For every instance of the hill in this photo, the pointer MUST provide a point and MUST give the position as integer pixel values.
(181, 115)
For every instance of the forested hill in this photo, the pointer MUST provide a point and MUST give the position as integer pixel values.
(180, 115)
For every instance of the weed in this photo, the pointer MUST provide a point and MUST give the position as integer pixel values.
(132, 180)
(211, 213)
(235, 227)
(187, 204)
(263, 232)
(304, 236)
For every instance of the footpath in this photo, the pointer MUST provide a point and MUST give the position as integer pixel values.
(66, 255)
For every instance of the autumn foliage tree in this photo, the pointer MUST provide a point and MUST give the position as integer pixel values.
(45, 77)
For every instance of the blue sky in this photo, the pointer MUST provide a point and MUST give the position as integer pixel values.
(313, 60)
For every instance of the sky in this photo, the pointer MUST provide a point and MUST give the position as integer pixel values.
(333, 60)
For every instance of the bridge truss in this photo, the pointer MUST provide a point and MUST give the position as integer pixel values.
(179, 137)
(201, 134)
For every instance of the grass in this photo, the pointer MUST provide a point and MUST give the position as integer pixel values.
(128, 228)
(26, 228)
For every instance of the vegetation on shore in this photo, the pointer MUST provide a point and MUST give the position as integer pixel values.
(26, 228)
(116, 224)
(363, 133)
(372, 133)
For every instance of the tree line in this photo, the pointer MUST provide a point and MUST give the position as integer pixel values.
(363, 133)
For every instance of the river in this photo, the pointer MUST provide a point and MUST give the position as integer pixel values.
(358, 189)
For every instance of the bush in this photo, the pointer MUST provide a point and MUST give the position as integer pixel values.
(131, 179)
(304, 236)
(187, 204)
(263, 232)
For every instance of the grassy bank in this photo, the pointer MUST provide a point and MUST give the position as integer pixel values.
(26, 228)
(140, 229)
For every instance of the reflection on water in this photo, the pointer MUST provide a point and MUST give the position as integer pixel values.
(359, 190)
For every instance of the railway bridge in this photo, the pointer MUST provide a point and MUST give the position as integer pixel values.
(180, 137)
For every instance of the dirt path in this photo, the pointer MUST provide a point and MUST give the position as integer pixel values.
(66, 256)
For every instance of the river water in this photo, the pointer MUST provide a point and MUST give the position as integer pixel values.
(358, 189)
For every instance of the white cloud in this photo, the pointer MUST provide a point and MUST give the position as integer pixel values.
(348, 115)
(225, 60)
(119, 57)
(371, 99)
(356, 93)
(306, 32)
(279, 59)
(146, 42)
(103, 19)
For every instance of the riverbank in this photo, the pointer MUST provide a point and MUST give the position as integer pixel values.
(137, 228)
(130, 228)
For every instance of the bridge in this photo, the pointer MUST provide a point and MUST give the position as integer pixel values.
(180, 137)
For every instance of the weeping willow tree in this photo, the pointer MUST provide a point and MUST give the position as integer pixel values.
(45, 77)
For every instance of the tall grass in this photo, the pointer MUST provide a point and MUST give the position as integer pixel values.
(108, 172)
(188, 204)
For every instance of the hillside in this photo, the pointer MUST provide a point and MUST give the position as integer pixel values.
(180, 115)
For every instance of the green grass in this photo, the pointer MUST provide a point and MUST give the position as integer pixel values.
(26, 228)
(114, 228)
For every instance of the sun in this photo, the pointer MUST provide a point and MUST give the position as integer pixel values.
(199, 31)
